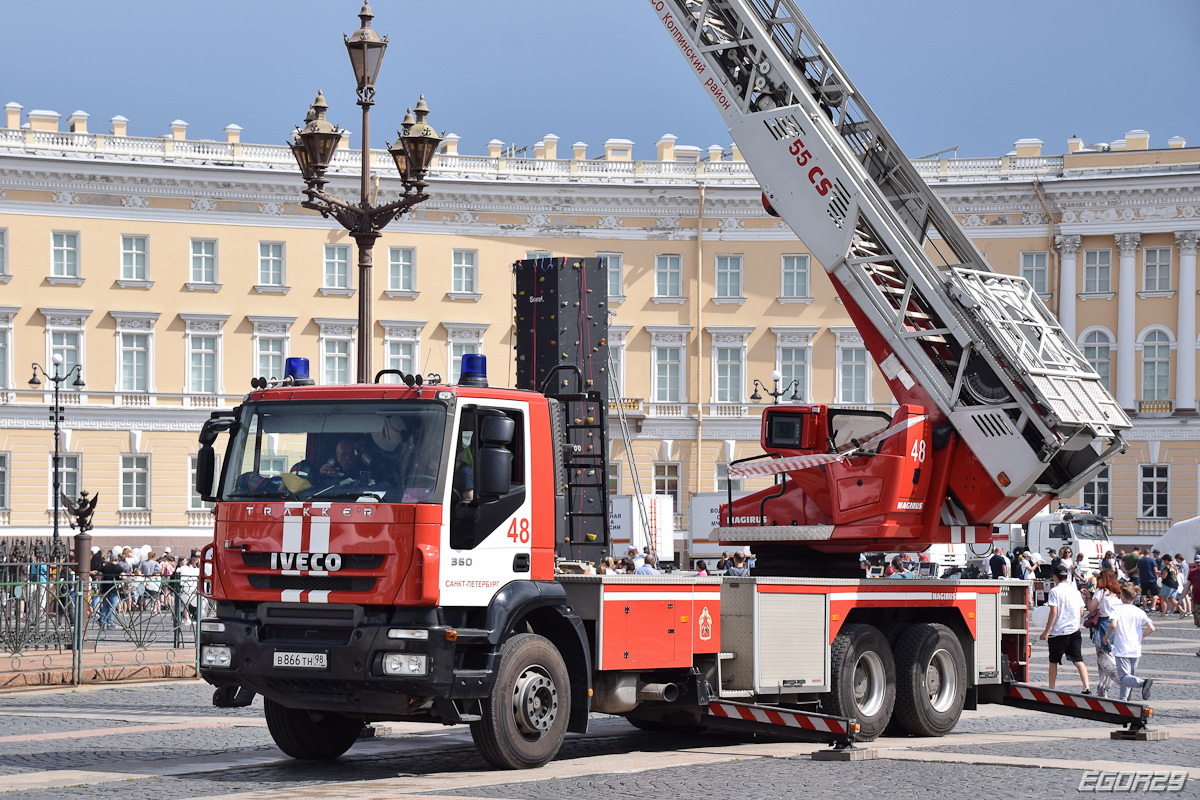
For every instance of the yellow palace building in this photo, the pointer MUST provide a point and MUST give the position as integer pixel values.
(173, 270)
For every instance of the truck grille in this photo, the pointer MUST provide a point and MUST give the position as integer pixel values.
(316, 583)
(349, 560)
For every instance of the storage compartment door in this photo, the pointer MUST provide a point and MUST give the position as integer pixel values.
(792, 643)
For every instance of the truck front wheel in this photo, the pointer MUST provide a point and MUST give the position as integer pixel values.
(525, 716)
(863, 679)
(932, 680)
(310, 735)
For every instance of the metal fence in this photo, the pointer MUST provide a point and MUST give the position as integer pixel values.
(56, 627)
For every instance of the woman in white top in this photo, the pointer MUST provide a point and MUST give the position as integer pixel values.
(1106, 596)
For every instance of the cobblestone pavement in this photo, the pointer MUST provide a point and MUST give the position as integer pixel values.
(166, 741)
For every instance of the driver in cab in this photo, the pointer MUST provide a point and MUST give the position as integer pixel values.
(346, 465)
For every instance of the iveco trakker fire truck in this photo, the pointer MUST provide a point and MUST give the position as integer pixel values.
(388, 551)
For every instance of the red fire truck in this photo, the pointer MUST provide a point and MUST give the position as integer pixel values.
(388, 551)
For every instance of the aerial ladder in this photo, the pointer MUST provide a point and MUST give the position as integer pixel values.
(976, 350)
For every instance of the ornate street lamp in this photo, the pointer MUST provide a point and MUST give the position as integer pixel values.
(776, 392)
(314, 146)
(56, 414)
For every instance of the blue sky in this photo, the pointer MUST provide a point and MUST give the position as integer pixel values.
(939, 73)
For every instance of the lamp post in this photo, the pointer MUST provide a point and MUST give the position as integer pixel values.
(775, 392)
(56, 414)
(314, 145)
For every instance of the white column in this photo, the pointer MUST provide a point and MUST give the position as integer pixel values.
(1185, 380)
(1068, 248)
(1126, 319)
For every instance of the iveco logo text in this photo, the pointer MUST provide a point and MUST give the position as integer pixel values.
(321, 562)
(908, 505)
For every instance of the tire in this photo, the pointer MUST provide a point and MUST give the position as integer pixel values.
(310, 735)
(862, 679)
(525, 716)
(931, 673)
(892, 631)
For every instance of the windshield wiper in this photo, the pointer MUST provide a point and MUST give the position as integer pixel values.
(265, 495)
(345, 495)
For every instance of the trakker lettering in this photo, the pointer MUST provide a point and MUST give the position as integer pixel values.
(319, 562)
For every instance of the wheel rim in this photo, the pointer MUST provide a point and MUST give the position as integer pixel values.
(941, 681)
(535, 701)
(869, 684)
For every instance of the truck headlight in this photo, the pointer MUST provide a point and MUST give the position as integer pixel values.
(405, 663)
(216, 655)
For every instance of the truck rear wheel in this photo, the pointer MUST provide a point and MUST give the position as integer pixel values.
(863, 679)
(932, 680)
(310, 735)
(525, 716)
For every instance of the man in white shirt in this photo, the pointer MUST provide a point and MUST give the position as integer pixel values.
(1062, 627)
(1127, 625)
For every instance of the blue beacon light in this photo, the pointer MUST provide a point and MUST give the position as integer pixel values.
(296, 369)
(473, 371)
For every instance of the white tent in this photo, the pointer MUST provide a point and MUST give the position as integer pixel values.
(1182, 537)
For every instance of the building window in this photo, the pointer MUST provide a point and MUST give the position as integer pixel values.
(1157, 272)
(65, 249)
(336, 358)
(1095, 494)
(5, 367)
(457, 351)
(724, 482)
(668, 272)
(204, 261)
(1156, 366)
(853, 375)
(194, 501)
(1033, 269)
(793, 367)
(270, 264)
(1097, 271)
(667, 375)
(272, 466)
(729, 276)
(793, 277)
(401, 269)
(4, 482)
(613, 264)
(270, 357)
(464, 277)
(1156, 487)
(729, 385)
(666, 481)
(202, 362)
(133, 258)
(68, 476)
(337, 266)
(135, 359)
(538, 255)
(65, 344)
(135, 483)
(401, 356)
(1097, 349)
(614, 477)
(616, 369)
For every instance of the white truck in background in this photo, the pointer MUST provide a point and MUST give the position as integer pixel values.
(1069, 526)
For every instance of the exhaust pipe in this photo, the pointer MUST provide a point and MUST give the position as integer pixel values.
(662, 692)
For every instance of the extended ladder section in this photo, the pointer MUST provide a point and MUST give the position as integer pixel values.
(946, 331)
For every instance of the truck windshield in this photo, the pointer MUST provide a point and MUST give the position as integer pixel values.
(1090, 529)
(358, 451)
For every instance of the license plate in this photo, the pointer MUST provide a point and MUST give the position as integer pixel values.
(302, 660)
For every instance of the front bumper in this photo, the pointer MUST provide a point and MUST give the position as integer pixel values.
(353, 680)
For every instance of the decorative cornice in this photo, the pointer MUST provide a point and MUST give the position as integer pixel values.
(65, 317)
(135, 320)
(203, 323)
(402, 328)
(1186, 242)
(1128, 243)
(332, 326)
(271, 325)
(800, 335)
(470, 332)
(1068, 245)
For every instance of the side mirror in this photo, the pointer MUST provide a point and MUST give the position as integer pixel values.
(206, 463)
(497, 430)
(493, 471)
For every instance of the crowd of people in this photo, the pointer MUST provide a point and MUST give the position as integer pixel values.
(1113, 605)
(645, 562)
(128, 580)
